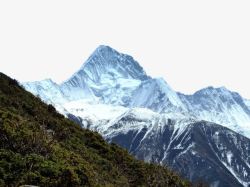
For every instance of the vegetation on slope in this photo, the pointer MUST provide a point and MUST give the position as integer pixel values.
(38, 146)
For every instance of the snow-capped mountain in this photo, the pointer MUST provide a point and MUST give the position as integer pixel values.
(108, 75)
(158, 96)
(199, 150)
(48, 90)
(112, 94)
(113, 78)
(221, 106)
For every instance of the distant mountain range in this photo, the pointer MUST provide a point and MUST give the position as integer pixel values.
(112, 94)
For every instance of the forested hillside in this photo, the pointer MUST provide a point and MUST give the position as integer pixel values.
(39, 146)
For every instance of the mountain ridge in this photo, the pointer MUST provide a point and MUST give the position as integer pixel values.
(122, 107)
(118, 85)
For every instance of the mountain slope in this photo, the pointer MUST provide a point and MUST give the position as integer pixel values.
(221, 106)
(199, 150)
(157, 95)
(107, 74)
(38, 146)
(48, 90)
(247, 103)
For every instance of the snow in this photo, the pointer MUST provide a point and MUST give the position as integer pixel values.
(247, 103)
(99, 111)
(231, 170)
(106, 60)
(47, 90)
(156, 95)
(144, 114)
(180, 126)
(171, 94)
(221, 106)
(229, 157)
(187, 149)
(245, 173)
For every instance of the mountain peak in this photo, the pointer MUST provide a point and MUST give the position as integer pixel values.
(214, 90)
(104, 47)
(105, 63)
(102, 50)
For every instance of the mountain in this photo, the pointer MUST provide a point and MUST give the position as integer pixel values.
(48, 90)
(111, 86)
(157, 95)
(108, 75)
(116, 79)
(221, 106)
(199, 150)
(38, 146)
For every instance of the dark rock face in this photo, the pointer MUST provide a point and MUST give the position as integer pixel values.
(200, 151)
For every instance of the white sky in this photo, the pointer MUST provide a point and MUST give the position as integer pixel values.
(192, 44)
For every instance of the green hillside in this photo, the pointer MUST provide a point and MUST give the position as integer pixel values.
(39, 146)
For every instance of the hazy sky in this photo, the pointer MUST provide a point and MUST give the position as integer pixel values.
(192, 44)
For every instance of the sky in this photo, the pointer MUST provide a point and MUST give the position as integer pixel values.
(191, 44)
